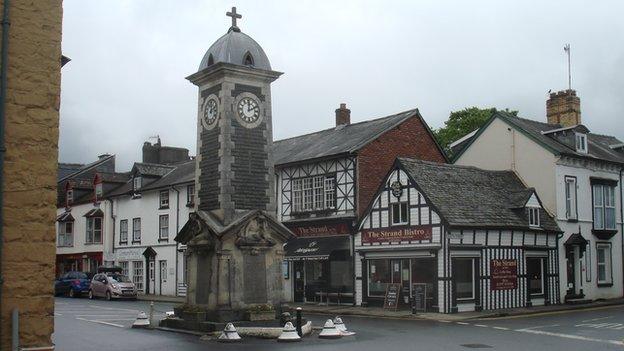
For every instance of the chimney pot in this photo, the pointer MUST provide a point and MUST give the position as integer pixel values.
(343, 115)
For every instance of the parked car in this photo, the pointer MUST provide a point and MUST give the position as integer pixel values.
(110, 283)
(72, 284)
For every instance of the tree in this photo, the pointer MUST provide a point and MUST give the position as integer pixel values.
(463, 122)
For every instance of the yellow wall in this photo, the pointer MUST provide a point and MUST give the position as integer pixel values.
(534, 164)
(32, 121)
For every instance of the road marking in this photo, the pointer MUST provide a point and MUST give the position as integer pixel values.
(115, 308)
(552, 313)
(115, 319)
(501, 328)
(101, 322)
(443, 321)
(618, 326)
(103, 315)
(463, 323)
(57, 314)
(570, 336)
(481, 326)
(596, 319)
(542, 326)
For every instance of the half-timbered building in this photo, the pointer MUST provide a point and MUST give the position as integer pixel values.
(453, 238)
(324, 182)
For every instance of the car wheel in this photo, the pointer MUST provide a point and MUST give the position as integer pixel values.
(91, 297)
(108, 296)
(72, 293)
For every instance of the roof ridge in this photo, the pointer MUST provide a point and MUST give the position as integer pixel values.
(347, 126)
(509, 115)
(87, 167)
(453, 165)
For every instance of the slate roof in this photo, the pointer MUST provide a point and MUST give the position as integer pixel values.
(66, 169)
(599, 147)
(471, 197)
(182, 173)
(152, 169)
(337, 140)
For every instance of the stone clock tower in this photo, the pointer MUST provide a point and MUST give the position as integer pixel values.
(234, 129)
(234, 242)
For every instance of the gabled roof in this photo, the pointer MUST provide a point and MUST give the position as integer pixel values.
(549, 137)
(343, 139)
(182, 173)
(467, 196)
(65, 168)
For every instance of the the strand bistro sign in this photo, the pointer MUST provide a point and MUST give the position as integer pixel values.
(397, 234)
(504, 274)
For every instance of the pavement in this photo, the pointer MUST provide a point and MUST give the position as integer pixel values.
(82, 324)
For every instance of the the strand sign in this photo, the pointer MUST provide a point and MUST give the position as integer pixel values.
(504, 274)
(398, 234)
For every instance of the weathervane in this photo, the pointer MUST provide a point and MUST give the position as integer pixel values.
(234, 16)
(566, 48)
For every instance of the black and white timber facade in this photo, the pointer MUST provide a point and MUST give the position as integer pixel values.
(457, 238)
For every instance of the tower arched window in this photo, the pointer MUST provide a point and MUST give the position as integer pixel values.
(210, 60)
(248, 60)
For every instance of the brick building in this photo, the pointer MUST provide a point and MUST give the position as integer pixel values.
(29, 123)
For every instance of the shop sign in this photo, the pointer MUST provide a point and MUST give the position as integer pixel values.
(504, 274)
(321, 230)
(310, 249)
(398, 234)
(129, 254)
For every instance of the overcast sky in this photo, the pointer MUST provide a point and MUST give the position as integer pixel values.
(126, 81)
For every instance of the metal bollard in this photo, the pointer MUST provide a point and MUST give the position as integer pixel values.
(299, 322)
(151, 315)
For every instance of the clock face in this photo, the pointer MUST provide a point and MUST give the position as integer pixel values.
(210, 111)
(248, 110)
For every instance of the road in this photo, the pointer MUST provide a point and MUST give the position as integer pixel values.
(81, 324)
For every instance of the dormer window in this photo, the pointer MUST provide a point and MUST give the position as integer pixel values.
(136, 186)
(581, 142)
(248, 60)
(69, 194)
(534, 216)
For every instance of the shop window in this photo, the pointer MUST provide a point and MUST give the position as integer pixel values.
(94, 230)
(603, 257)
(535, 274)
(123, 231)
(314, 193)
(379, 276)
(570, 194)
(463, 274)
(534, 216)
(604, 206)
(399, 213)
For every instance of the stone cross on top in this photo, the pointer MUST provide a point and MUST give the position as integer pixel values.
(234, 16)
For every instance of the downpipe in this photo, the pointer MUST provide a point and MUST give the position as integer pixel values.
(622, 227)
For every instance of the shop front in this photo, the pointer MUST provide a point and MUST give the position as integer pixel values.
(320, 269)
(87, 262)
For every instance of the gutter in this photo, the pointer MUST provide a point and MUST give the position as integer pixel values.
(4, 53)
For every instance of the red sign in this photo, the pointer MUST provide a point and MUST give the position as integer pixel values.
(321, 230)
(397, 234)
(504, 274)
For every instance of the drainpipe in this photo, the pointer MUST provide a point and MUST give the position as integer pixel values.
(622, 224)
(177, 228)
(113, 219)
(4, 53)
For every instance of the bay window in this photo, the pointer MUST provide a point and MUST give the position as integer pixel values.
(604, 206)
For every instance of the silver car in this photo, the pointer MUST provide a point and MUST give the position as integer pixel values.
(112, 286)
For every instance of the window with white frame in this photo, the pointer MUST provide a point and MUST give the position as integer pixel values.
(69, 194)
(534, 216)
(313, 193)
(581, 142)
(136, 230)
(604, 206)
(603, 262)
(137, 275)
(464, 276)
(190, 194)
(94, 230)
(98, 191)
(399, 213)
(136, 183)
(164, 199)
(570, 196)
(163, 227)
(66, 234)
(124, 268)
(123, 231)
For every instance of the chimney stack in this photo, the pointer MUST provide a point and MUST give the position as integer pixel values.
(343, 115)
(564, 107)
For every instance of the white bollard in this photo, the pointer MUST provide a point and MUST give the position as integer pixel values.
(229, 334)
(329, 331)
(342, 328)
(289, 333)
(142, 321)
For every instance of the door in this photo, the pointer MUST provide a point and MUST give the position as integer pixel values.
(299, 281)
(573, 271)
(151, 287)
(163, 275)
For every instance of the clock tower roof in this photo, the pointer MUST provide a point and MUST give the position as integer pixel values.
(237, 48)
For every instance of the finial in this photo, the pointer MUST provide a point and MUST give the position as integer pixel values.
(234, 16)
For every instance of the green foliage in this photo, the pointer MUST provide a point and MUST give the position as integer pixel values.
(463, 122)
(259, 308)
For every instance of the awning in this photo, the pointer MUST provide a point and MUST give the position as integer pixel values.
(576, 239)
(65, 217)
(315, 248)
(96, 212)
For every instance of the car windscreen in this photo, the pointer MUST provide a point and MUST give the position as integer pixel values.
(117, 278)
